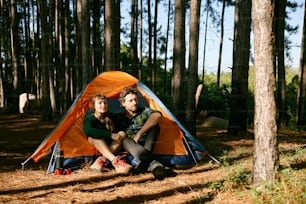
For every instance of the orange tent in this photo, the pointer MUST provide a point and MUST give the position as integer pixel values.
(174, 141)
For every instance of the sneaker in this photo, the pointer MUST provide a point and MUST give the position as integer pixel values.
(98, 164)
(120, 165)
(161, 172)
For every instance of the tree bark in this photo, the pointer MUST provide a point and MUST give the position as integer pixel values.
(193, 65)
(300, 107)
(240, 70)
(280, 13)
(179, 60)
(265, 161)
(110, 32)
(45, 105)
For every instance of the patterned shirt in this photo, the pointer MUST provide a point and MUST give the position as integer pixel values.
(132, 125)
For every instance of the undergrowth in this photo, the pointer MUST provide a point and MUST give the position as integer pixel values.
(291, 187)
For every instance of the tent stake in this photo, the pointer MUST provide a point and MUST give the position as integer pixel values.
(214, 159)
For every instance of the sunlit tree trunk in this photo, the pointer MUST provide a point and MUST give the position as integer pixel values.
(265, 162)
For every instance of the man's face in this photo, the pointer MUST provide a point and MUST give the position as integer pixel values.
(130, 103)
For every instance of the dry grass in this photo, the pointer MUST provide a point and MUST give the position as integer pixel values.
(207, 182)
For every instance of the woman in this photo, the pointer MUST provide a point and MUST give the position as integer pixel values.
(98, 128)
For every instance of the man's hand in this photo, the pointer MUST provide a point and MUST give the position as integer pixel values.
(137, 137)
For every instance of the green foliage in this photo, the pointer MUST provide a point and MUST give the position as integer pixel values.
(216, 100)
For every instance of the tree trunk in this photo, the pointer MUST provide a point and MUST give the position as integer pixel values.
(193, 65)
(14, 95)
(166, 50)
(179, 60)
(300, 107)
(150, 45)
(265, 163)
(221, 43)
(280, 13)
(45, 105)
(86, 66)
(97, 46)
(240, 70)
(109, 32)
(154, 68)
(141, 39)
(133, 52)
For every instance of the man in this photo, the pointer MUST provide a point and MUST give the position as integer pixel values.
(142, 128)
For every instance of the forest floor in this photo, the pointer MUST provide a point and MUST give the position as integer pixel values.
(207, 182)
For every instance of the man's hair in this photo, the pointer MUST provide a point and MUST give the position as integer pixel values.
(93, 100)
(125, 91)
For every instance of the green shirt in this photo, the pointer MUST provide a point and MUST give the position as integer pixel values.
(95, 128)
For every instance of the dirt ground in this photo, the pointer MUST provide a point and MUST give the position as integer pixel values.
(21, 134)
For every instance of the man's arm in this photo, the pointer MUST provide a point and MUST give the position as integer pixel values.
(153, 120)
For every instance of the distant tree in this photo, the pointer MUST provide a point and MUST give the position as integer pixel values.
(266, 161)
(110, 34)
(192, 79)
(45, 114)
(86, 66)
(15, 58)
(133, 50)
(178, 60)
(221, 42)
(96, 33)
(240, 69)
(301, 95)
(280, 14)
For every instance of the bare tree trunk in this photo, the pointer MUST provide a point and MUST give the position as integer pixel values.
(109, 32)
(221, 43)
(45, 105)
(193, 65)
(240, 70)
(154, 46)
(166, 52)
(150, 44)
(300, 107)
(86, 66)
(97, 46)
(141, 39)
(14, 99)
(266, 161)
(133, 51)
(280, 13)
(179, 60)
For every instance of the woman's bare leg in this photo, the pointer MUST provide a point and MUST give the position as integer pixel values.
(102, 147)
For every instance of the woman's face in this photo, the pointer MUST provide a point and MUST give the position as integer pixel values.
(101, 106)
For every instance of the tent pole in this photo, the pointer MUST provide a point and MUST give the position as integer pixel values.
(193, 157)
(52, 156)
